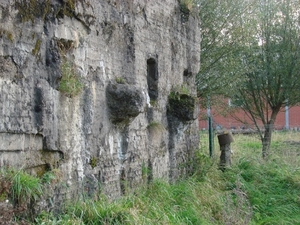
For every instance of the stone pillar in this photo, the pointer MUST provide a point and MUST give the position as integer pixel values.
(225, 158)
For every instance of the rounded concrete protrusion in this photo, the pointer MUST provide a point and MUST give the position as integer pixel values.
(225, 139)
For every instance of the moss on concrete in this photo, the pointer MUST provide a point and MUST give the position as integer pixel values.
(7, 34)
(37, 47)
(29, 10)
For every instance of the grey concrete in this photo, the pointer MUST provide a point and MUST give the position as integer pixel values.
(104, 41)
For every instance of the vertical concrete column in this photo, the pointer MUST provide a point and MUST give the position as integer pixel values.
(225, 140)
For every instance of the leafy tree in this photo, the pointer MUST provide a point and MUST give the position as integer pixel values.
(250, 53)
(221, 34)
(271, 62)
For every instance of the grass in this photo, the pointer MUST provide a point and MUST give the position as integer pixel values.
(253, 191)
(20, 192)
(272, 187)
(156, 126)
(179, 90)
(21, 187)
(70, 83)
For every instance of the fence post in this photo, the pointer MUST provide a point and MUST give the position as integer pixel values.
(225, 140)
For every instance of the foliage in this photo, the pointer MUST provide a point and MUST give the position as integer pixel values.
(267, 190)
(270, 59)
(70, 83)
(252, 191)
(51, 177)
(20, 193)
(153, 103)
(22, 186)
(251, 55)
(222, 31)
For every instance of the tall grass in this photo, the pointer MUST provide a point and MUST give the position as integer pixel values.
(252, 191)
(272, 187)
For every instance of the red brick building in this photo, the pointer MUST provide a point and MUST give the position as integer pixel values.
(289, 119)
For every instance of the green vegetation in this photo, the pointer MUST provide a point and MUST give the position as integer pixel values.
(37, 47)
(19, 193)
(70, 83)
(6, 34)
(19, 186)
(271, 187)
(93, 162)
(181, 103)
(256, 68)
(156, 126)
(253, 191)
(179, 90)
(187, 5)
(29, 10)
(153, 103)
(120, 80)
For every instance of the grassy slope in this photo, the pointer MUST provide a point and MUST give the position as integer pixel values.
(251, 192)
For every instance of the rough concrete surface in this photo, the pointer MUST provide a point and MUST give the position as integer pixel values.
(115, 53)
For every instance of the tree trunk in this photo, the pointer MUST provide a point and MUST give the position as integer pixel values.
(266, 140)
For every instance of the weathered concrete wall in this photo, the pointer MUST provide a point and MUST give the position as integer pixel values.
(112, 46)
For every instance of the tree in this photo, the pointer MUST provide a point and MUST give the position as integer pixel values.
(271, 62)
(221, 34)
(251, 54)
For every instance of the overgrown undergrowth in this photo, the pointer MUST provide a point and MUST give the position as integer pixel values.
(252, 191)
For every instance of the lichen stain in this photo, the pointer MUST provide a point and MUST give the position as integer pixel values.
(29, 10)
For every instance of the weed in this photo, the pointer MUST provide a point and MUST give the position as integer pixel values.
(24, 187)
(65, 46)
(18, 191)
(156, 125)
(51, 177)
(93, 162)
(6, 33)
(120, 80)
(36, 48)
(70, 83)
(187, 4)
(178, 91)
(30, 10)
(155, 128)
(153, 103)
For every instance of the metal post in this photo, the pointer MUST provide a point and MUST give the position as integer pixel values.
(210, 129)
(210, 136)
(287, 126)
